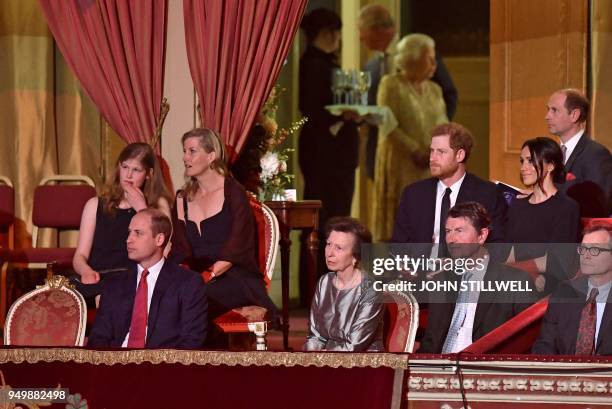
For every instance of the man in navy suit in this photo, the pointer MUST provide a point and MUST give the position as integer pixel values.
(423, 207)
(458, 318)
(579, 316)
(156, 304)
(589, 163)
(376, 31)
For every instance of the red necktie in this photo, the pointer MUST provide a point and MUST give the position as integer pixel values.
(585, 343)
(138, 327)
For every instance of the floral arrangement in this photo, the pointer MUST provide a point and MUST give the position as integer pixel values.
(274, 176)
(262, 167)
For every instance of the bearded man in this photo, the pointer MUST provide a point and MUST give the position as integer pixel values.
(424, 205)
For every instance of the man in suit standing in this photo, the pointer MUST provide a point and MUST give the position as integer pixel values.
(579, 316)
(423, 207)
(376, 31)
(458, 318)
(589, 163)
(156, 304)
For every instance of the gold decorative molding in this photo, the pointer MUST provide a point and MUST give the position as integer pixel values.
(484, 384)
(513, 379)
(171, 356)
(57, 281)
(165, 107)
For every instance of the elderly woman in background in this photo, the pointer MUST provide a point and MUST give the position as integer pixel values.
(402, 156)
(346, 313)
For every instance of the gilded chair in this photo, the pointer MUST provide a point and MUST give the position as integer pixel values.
(401, 321)
(53, 314)
(253, 319)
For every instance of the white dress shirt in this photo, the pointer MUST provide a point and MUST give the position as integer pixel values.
(570, 145)
(441, 188)
(602, 298)
(154, 271)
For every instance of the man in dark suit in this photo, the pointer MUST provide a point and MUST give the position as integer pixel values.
(156, 304)
(423, 205)
(481, 304)
(588, 163)
(376, 31)
(579, 316)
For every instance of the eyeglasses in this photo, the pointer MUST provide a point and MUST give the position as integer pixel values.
(593, 251)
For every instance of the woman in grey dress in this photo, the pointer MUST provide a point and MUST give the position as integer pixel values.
(346, 313)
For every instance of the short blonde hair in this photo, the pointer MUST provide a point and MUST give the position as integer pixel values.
(410, 48)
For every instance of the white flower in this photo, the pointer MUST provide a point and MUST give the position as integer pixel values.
(269, 165)
(282, 167)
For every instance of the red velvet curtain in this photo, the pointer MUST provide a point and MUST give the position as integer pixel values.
(116, 50)
(236, 49)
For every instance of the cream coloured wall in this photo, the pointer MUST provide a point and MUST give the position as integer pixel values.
(471, 77)
(180, 92)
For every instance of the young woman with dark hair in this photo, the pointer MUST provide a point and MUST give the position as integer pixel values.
(545, 216)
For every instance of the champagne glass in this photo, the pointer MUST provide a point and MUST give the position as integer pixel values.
(365, 81)
(338, 80)
(353, 87)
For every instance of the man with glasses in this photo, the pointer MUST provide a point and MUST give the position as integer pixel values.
(578, 320)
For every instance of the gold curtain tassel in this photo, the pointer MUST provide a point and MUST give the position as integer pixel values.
(165, 107)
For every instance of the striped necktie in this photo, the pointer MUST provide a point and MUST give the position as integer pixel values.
(459, 315)
(564, 150)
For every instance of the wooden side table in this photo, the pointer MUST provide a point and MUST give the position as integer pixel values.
(298, 215)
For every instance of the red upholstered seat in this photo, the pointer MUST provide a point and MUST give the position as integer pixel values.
(401, 321)
(51, 315)
(233, 320)
(253, 318)
(60, 206)
(588, 220)
(7, 219)
(7, 205)
(528, 266)
(57, 206)
(515, 336)
(61, 255)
